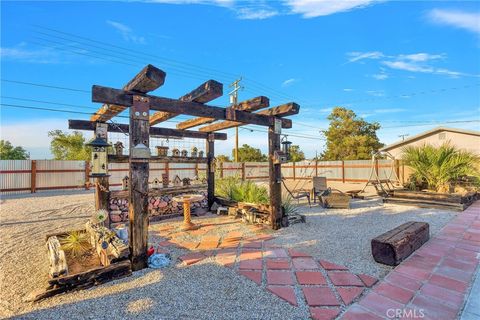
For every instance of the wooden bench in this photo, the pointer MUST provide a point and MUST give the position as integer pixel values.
(396, 245)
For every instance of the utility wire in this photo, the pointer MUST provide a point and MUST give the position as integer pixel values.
(44, 85)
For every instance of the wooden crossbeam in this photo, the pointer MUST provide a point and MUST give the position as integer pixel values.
(154, 131)
(283, 110)
(206, 92)
(122, 97)
(148, 79)
(247, 105)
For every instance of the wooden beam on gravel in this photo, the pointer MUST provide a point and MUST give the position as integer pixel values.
(283, 110)
(122, 97)
(247, 105)
(148, 79)
(206, 92)
(154, 131)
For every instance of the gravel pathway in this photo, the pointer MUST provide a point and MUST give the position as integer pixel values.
(203, 291)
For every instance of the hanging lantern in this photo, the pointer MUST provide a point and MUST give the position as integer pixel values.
(286, 146)
(99, 157)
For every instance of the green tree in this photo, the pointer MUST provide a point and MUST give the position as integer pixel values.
(65, 146)
(223, 158)
(350, 137)
(440, 167)
(247, 153)
(9, 152)
(296, 154)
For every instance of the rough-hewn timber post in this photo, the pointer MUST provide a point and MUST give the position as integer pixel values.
(33, 178)
(221, 170)
(244, 174)
(275, 176)
(210, 148)
(102, 185)
(87, 175)
(138, 191)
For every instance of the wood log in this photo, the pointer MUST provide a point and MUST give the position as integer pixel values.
(56, 256)
(116, 249)
(84, 280)
(148, 79)
(121, 97)
(154, 131)
(157, 159)
(279, 111)
(247, 105)
(206, 92)
(426, 203)
(396, 245)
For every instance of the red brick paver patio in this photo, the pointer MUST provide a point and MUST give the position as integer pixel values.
(322, 287)
(430, 284)
(433, 282)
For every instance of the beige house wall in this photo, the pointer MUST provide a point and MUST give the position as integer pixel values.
(460, 140)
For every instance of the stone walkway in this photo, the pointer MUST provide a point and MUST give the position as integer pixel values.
(434, 282)
(323, 287)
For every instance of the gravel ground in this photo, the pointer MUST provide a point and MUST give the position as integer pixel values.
(202, 291)
(343, 236)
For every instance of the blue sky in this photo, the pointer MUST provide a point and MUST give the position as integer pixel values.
(409, 65)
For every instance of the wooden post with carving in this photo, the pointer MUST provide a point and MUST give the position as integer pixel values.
(210, 148)
(138, 191)
(275, 176)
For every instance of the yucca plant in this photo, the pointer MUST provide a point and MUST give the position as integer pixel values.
(289, 208)
(75, 243)
(440, 166)
(235, 189)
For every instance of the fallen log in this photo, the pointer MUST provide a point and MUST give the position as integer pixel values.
(396, 245)
(107, 245)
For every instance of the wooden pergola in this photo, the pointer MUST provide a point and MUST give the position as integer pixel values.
(141, 126)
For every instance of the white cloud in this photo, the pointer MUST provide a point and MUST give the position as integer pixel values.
(347, 89)
(357, 56)
(380, 76)
(389, 110)
(317, 8)
(255, 13)
(469, 21)
(126, 32)
(421, 57)
(415, 62)
(289, 82)
(375, 93)
(23, 53)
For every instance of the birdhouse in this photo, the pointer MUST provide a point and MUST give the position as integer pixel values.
(186, 181)
(184, 153)
(194, 152)
(99, 157)
(165, 180)
(162, 151)
(177, 182)
(156, 183)
(176, 152)
(200, 154)
(140, 151)
(119, 148)
(125, 183)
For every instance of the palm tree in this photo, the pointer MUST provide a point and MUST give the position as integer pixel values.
(440, 166)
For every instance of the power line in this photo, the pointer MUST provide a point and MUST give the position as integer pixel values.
(180, 66)
(44, 85)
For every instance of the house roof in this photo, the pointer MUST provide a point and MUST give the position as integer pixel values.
(429, 133)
